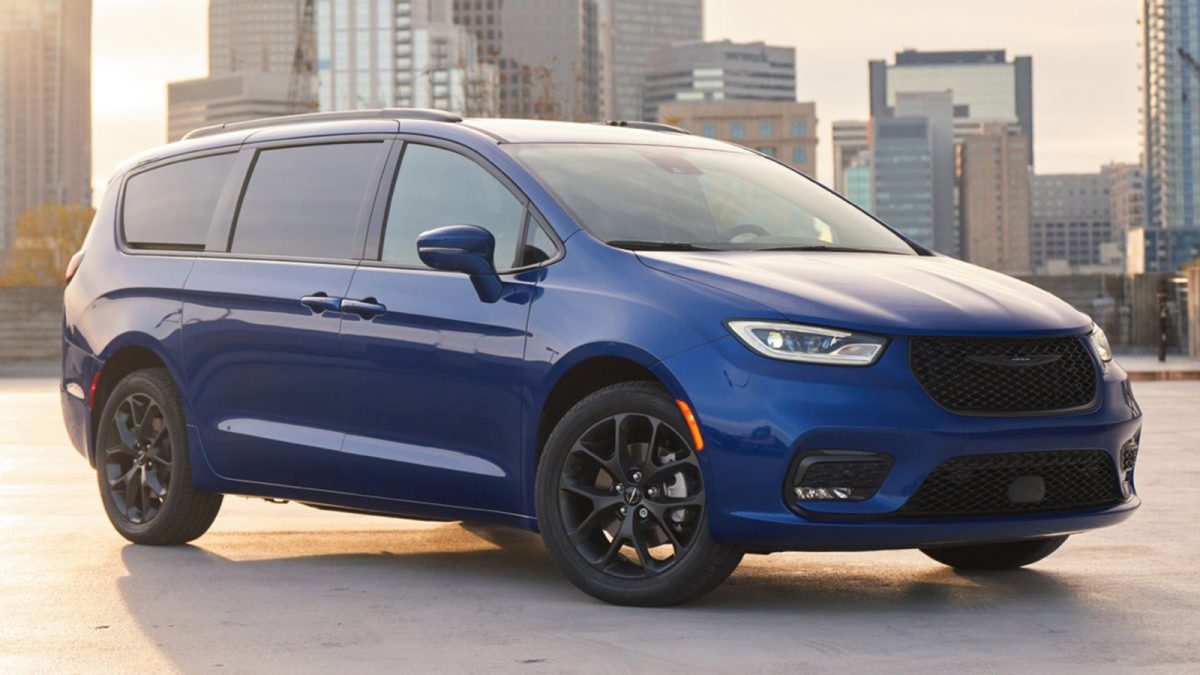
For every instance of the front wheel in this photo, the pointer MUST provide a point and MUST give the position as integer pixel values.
(142, 464)
(1003, 556)
(621, 501)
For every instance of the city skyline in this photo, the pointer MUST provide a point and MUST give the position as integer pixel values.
(1072, 71)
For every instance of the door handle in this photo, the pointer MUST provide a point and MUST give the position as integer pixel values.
(368, 308)
(320, 303)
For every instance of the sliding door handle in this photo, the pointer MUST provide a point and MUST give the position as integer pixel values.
(368, 308)
(320, 303)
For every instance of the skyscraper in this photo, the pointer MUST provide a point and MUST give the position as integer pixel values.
(253, 36)
(902, 176)
(1071, 221)
(1126, 195)
(398, 53)
(993, 184)
(785, 130)
(251, 58)
(1171, 112)
(849, 144)
(937, 108)
(639, 27)
(985, 85)
(718, 71)
(45, 107)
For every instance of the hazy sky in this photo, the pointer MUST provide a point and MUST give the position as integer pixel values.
(1085, 63)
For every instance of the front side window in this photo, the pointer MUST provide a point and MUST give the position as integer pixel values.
(305, 201)
(171, 207)
(437, 187)
(706, 199)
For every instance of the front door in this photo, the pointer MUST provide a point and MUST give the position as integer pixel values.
(433, 373)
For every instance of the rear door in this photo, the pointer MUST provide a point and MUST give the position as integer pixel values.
(433, 379)
(261, 315)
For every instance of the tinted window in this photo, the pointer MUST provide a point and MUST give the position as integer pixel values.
(172, 207)
(305, 201)
(437, 187)
(539, 247)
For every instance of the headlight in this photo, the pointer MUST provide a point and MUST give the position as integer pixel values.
(808, 344)
(1100, 342)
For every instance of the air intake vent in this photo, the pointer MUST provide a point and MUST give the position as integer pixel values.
(984, 485)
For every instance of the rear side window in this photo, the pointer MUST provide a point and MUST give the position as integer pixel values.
(436, 188)
(171, 207)
(305, 201)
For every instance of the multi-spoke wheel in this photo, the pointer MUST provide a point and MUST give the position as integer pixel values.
(138, 466)
(621, 501)
(142, 464)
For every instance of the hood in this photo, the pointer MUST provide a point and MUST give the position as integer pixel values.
(881, 293)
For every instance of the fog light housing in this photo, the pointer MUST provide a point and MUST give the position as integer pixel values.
(838, 476)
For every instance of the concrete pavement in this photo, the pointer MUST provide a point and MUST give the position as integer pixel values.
(285, 588)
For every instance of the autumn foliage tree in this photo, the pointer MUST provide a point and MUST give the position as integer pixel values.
(46, 238)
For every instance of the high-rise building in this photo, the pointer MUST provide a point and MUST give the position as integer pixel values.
(253, 36)
(937, 108)
(549, 54)
(45, 107)
(849, 144)
(252, 47)
(985, 84)
(902, 176)
(636, 28)
(399, 53)
(785, 130)
(1071, 223)
(1171, 112)
(1126, 196)
(719, 71)
(993, 183)
(858, 180)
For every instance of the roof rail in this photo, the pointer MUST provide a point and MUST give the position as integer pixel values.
(648, 126)
(424, 114)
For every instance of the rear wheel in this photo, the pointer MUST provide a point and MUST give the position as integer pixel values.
(621, 501)
(142, 464)
(1003, 556)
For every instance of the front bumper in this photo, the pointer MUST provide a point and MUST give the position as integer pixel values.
(757, 415)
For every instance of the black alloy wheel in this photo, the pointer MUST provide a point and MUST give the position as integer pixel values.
(143, 463)
(621, 502)
(631, 496)
(138, 465)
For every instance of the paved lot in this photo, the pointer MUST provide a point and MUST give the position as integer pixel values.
(274, 588)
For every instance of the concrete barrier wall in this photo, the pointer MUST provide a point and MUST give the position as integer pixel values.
(1125, 306)
(30, 324)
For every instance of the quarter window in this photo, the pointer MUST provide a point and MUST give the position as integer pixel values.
(305, 201)
(171, 208)
(437, 187)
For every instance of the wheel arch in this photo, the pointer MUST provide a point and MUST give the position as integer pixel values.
(125, 355)
(582, 372)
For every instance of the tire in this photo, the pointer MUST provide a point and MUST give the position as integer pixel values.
(621, 536)
(1004, 556)
(143, 466)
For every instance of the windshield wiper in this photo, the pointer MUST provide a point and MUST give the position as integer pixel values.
(634, 245)
(822, 247)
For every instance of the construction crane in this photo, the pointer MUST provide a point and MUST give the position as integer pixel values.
(302, 91)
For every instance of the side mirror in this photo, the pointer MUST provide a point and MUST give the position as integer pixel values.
(463, 248)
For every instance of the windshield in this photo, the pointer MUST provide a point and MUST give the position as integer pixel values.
(653, 197)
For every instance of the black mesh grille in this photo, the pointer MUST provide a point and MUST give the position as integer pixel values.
(979, 485)
(1005, 376)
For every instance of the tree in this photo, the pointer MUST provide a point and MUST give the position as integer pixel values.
(46, 238)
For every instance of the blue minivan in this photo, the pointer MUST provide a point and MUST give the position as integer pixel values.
(663, 352)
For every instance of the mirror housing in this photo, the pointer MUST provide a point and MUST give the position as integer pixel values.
(467, 249)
